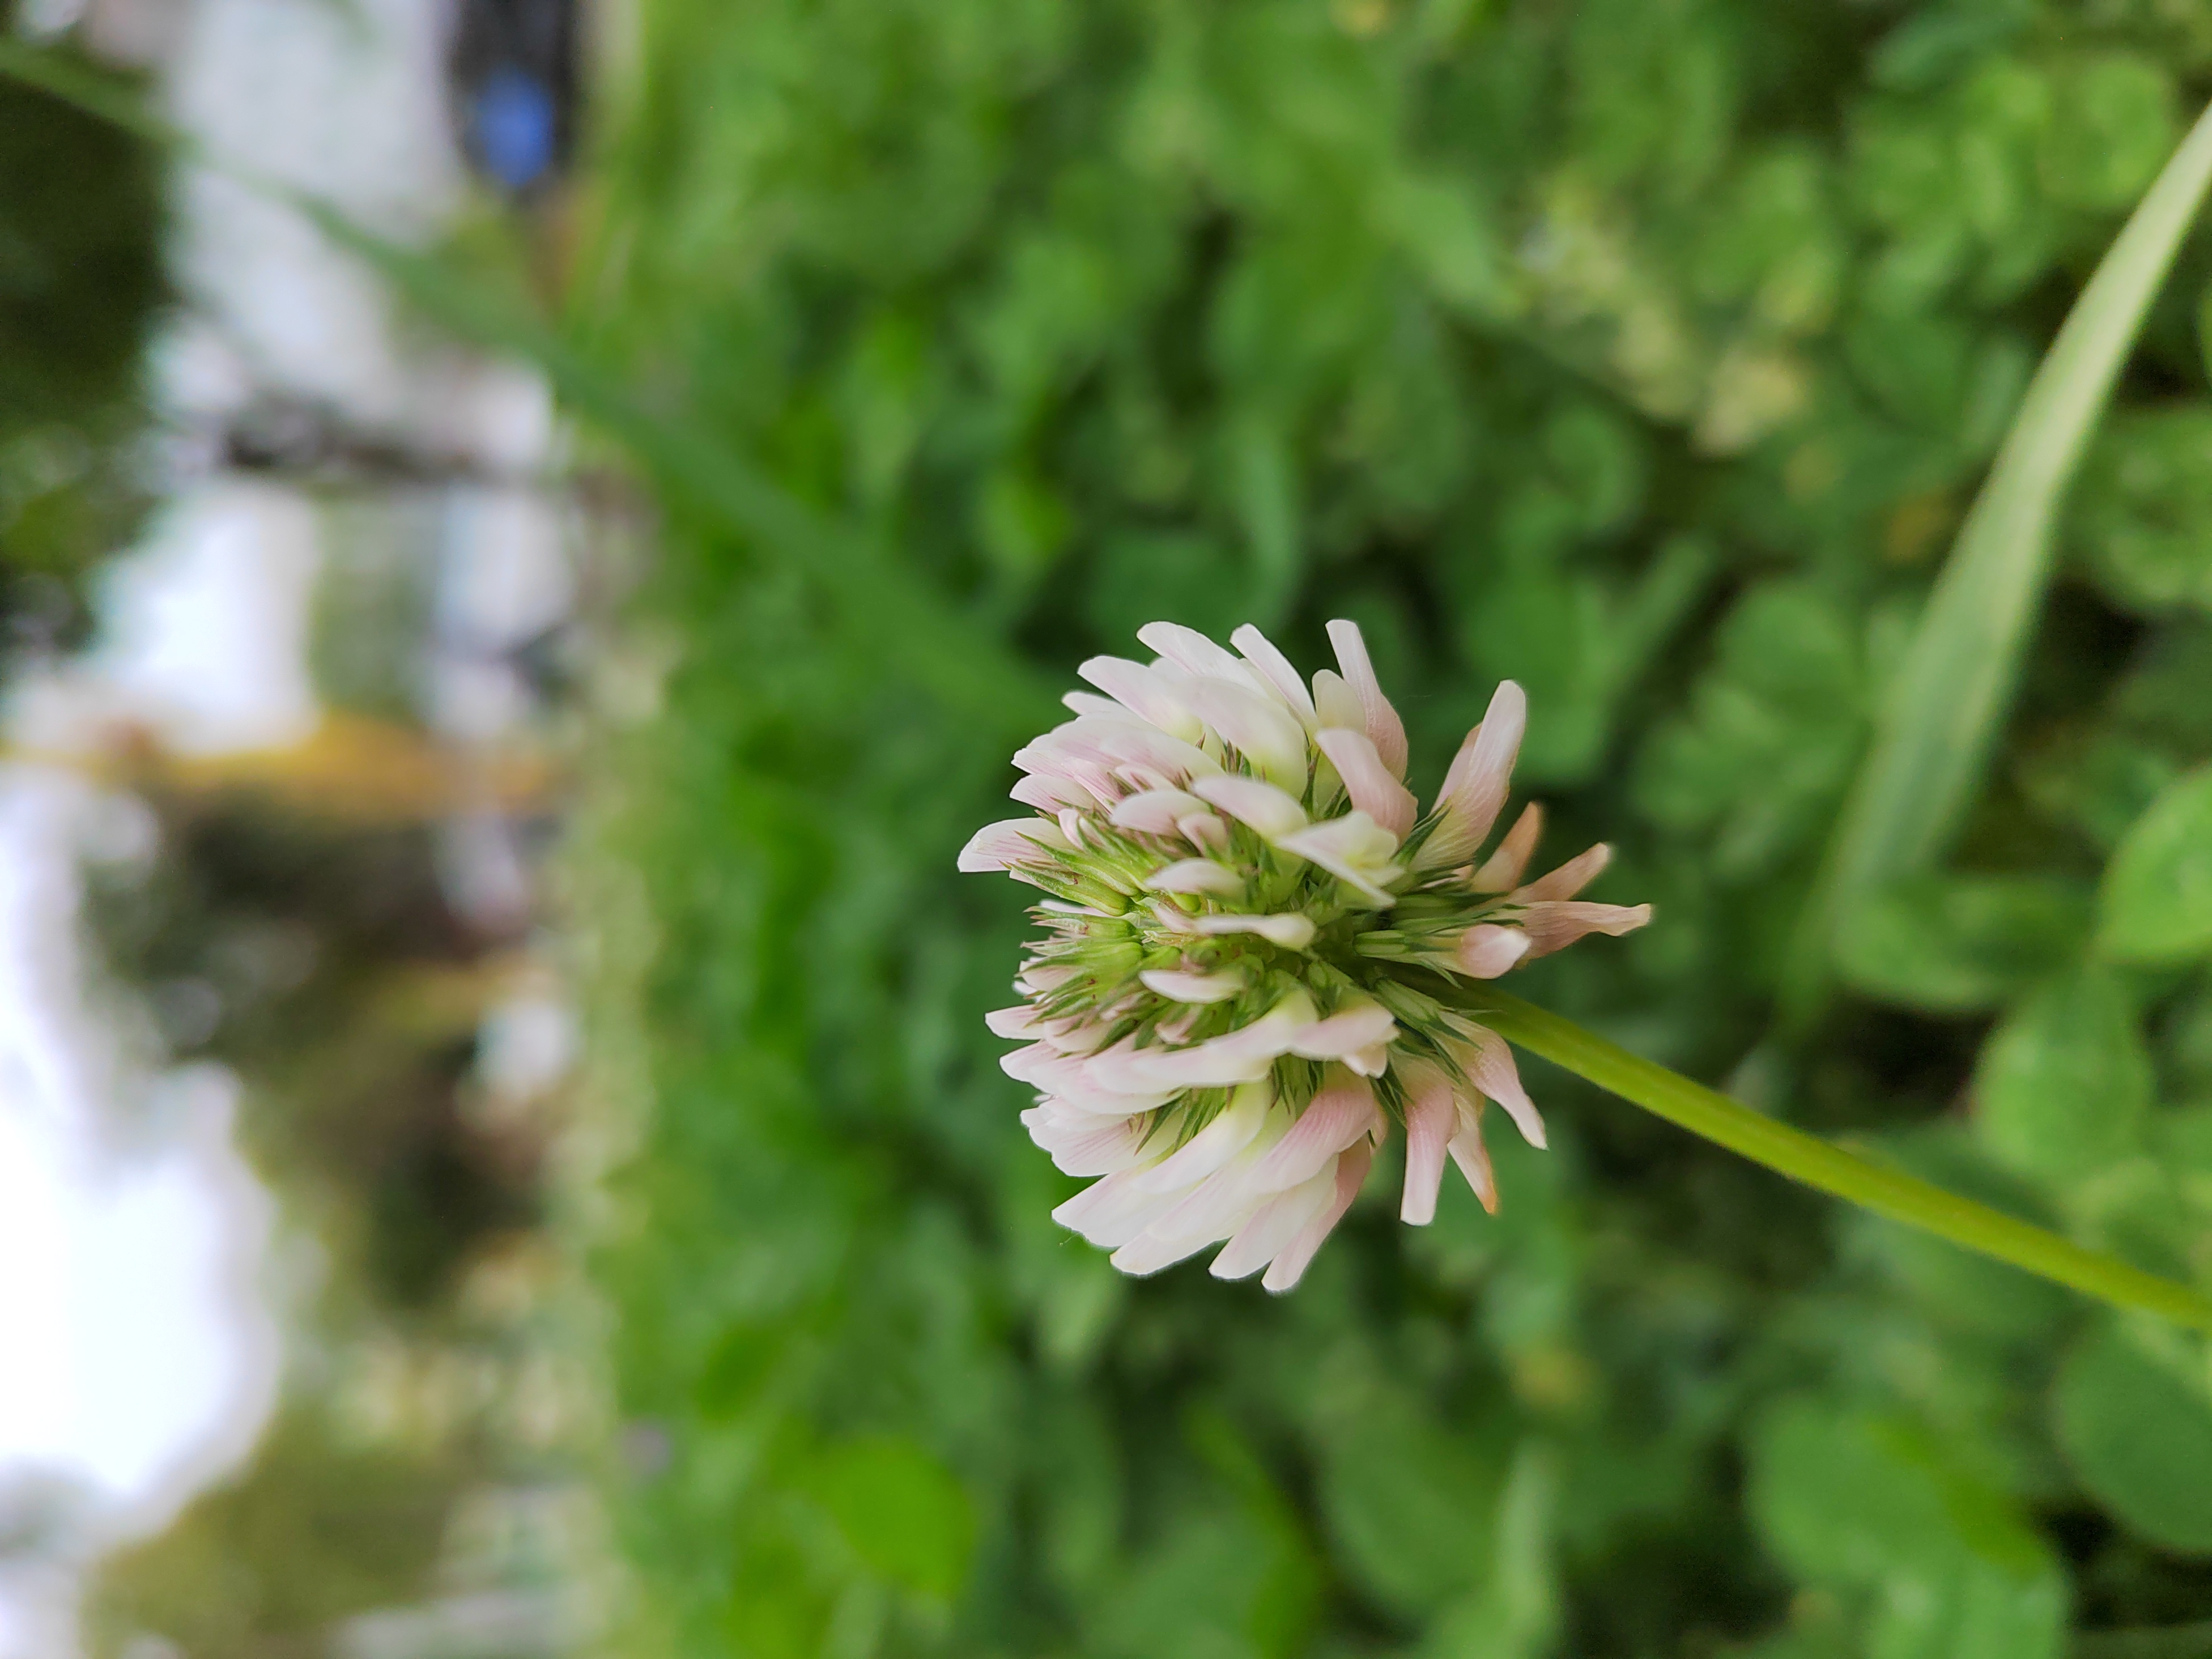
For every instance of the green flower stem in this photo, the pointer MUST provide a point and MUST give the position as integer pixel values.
(1817, 1163)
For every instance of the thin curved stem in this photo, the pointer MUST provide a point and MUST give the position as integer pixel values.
(1818, 1164)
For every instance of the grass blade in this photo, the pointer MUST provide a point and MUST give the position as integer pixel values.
(1941, 715)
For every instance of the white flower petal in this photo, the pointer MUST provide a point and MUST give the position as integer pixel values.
(1049, 792)
(1336, 705)
(1270, 810)
(1154, 812)
(1347, 1033)
(1205, 830)
(1290, 1263)
(1353, 849)
(1274, 1225)
(1178, 986)
(1192, 652)
(1011, 842)
(1081, 1144)
(1243, 1055)
(1229, 1133)
(1384, 726)
(1111, 1212)
(1148, 1254)
(1085, 703)
(1196, 875)
(1291, 931)
(1476, 785)
(1151, 696)
(1256, 725)
(1018, 1023)
(1273, 667)
(1368, 781)
(1486, 950)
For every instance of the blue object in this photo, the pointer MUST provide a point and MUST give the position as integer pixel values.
(513, 126)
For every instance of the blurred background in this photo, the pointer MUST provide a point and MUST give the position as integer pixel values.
(531, 528)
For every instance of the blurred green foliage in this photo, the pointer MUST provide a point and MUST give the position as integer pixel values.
(1647, 351)
(80, 291)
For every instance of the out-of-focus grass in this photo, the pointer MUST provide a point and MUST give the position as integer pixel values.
(1648, 354)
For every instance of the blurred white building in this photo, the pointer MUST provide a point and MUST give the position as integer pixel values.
(139, 1333)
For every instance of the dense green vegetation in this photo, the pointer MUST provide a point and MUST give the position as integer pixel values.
(1647, 351)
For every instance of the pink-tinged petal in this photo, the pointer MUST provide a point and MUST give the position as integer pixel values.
(1275, 1224)
(1085, 703)
(1275, 668)
(1473, 1160)
(1193, 654)
(1142, 745)
(1257, 726)
(1336, 705)
(1243, 1055)
(1196, 875)
(1150, 696)
(1431, 1120)
(1291, 1264)
(1384, 726)
(1270, 810)
(1475, 785)
(1347, 1033)
(1148, 1254)
(1085, 1084)
(1081, 1145)
(1037, 979)
(1289, 929)
(1178, 986)
(1049, 794)
(1368, 781)
(1501, 872)
(1230, 1132)
(1111, 1212)
(1011, 842)
(1555, 926)
(1486, 950)
(1569, 878)
(1206, 829)
(1018, 1024)
(1488, 1062)
(1339, 1114)
(1153, 812)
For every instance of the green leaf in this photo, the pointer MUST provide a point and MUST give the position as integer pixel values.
(1852, 1500)
(2156, 905)
(1947, 697)
(2143, 523)
(2136, 1426)
(1833, 1501)
(2064, 1084)
(901, 1509)
(1960, 943)
(1410, 1504)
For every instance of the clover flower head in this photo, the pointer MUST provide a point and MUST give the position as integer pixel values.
(1225, 1016)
